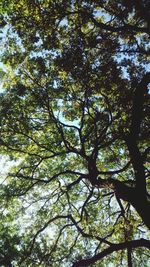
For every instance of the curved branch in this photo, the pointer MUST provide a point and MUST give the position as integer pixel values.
(115, 171)
(113, 248)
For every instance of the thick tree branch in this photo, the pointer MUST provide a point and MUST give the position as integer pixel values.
(131, 139)
(137, 162)
(129, 194)
(137, 108)
(113, 248)
(129, 255)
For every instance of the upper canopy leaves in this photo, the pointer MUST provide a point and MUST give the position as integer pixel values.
(74, 118)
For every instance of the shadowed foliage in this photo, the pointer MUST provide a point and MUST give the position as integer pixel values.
(74, 123)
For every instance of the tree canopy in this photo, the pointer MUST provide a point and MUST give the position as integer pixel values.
(74, 122)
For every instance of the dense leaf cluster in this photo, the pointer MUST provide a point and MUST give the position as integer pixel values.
(74, 122)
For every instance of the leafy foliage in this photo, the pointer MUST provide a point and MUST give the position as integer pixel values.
(74, 120)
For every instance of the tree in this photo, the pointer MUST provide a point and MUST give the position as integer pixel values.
(74, 120)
